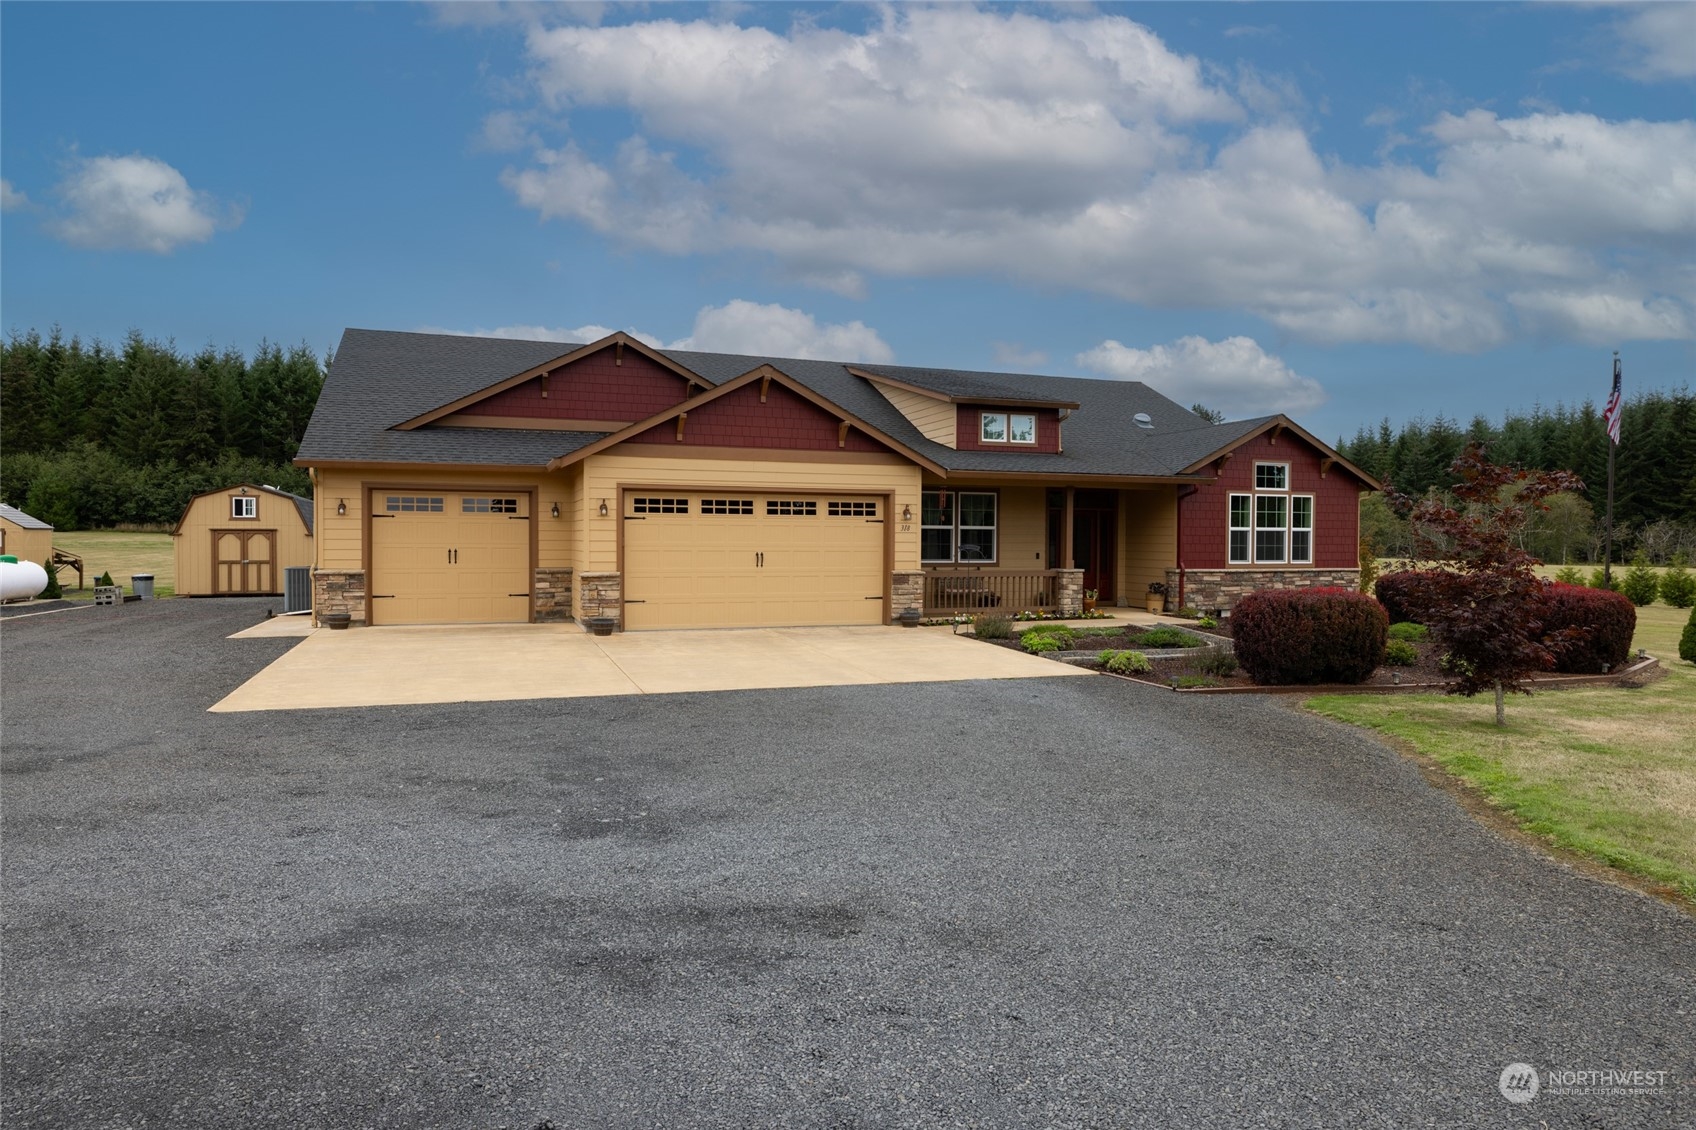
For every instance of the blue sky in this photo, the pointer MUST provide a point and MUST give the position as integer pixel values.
(1338, 211)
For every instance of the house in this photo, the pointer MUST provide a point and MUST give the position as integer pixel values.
(237, 541)
(464, 479)
(24, 537)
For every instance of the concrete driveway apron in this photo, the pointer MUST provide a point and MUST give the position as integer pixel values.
(499, 662)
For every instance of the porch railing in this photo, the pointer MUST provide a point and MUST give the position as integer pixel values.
(967, 591)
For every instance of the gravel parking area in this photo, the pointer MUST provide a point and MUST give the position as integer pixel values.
(1070, 902)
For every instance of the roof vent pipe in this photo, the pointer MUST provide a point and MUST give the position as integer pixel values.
(1143, 420)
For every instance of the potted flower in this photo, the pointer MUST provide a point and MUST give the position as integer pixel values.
(1157, 597)
(1090, 597)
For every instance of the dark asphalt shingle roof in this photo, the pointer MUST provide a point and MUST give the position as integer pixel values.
(303, 506)
(383, 378)
(18, 518)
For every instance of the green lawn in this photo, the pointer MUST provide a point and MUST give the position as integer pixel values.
(1607, 773)
(121, 554)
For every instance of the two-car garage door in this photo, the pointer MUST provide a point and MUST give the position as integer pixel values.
(733, 560)
(445, 557)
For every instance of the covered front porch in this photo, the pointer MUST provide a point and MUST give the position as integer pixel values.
(1024, 547)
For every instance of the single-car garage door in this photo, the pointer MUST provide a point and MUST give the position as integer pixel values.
(449, 558)
(726, 560)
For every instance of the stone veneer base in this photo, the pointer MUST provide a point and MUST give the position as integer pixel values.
(1219, 590)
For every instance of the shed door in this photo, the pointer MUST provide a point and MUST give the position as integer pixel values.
(449, 557)
(244, 561)
(729, 560)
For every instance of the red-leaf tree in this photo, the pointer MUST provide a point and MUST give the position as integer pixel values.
(1478, 594)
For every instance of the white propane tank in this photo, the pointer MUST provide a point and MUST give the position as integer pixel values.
(20, 580)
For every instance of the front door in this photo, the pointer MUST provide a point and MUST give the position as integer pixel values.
(1095, 537)
(244, 561)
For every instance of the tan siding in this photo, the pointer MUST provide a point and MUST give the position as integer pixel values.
(193, 542)
(1024, 527)
(935, 419)
(1148, 539)
(340, 538)
(27, 545)
(603, 475)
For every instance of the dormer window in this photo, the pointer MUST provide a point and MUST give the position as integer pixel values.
(1008, 427)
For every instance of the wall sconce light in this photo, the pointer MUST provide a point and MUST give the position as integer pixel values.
(341, 508)
(556, 510)
(907, 513)
(603, 508)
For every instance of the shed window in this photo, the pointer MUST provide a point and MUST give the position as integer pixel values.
(244, 506)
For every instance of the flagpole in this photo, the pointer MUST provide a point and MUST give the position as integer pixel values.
(1608, 552)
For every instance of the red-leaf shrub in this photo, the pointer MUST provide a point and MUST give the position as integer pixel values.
(1395, 590)
(1606, 618)
(1308, 635)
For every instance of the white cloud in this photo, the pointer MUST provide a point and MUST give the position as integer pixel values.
(1601, 317)
(11, 198)
(505, 131)
(135, 203)
(1660, 41)
(738, 326)
(1064, 151)
(1234, 376)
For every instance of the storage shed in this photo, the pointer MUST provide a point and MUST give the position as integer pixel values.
(237, 541)
(24, 537)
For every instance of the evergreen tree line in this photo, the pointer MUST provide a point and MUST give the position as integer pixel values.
(1654, 474)
(92, 436)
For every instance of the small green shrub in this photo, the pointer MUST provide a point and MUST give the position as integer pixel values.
(104, 579)
(1400, 653)
(1569, 575)
(1687, 642)
(1599, 581)
(1040, 643)
(1409, 631)
(1207, 622)
(1188, 613)
(1641, 586)
(1217, 662)
(1129, 663)
(1168, 637)
(52, 591)
(992, 626)
(1678, 586)
(1062, 636)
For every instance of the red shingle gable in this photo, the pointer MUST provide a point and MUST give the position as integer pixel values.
(590, 388)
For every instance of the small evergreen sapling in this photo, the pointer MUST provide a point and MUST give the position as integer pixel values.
(1640, 585)
(1480, 596)
(1678, 586)
(1687, 642)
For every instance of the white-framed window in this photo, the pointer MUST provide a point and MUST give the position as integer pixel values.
(244, 506)
(1242, 528)
(1007, 427)
(936, 526)
(958, 526)
(1271, 528)
(1301, 529)
(1271, 476)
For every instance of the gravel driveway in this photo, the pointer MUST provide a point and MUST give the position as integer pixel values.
(1056, 903)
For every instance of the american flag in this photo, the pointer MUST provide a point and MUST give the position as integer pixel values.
(1615, 408)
